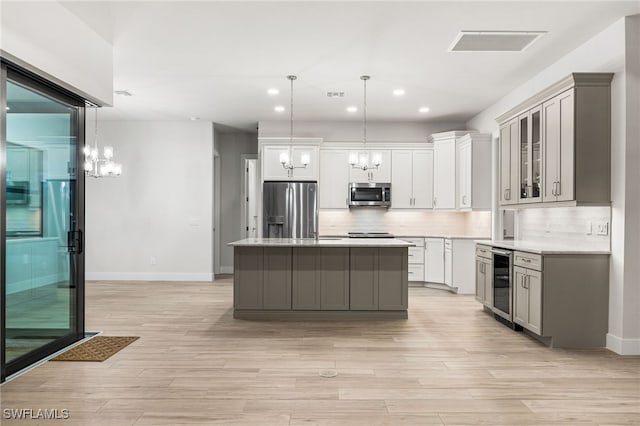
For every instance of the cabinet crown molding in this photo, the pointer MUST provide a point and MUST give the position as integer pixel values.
(435, 137)
(576, 79)
(285, 140)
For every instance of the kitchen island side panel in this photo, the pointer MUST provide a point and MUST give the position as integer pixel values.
(393, 275)
(334, 278)
(247, 280)
(277, 278)
(364, 278)
(306, 278)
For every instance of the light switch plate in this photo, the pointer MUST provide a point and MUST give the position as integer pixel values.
(602, 228)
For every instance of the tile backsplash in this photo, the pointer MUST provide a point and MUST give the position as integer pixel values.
(405, 222)
(567, 225)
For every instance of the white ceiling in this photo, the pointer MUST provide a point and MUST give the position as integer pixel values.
(216, 60)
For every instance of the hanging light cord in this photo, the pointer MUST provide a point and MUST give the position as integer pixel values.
(365, 78)
(291, 78)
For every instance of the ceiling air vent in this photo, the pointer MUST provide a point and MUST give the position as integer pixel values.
(122, 93)
(335, 94)
(494, 41)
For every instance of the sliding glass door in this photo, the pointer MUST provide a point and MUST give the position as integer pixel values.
(42, 219)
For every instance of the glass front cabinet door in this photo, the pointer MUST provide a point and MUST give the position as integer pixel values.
(530, 126)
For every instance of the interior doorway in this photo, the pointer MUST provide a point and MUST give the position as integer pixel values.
(250, 194)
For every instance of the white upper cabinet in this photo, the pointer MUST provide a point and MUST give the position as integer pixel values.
(412, 179)
(444, 173)
(402, 179)
(422, 179)
(272, 168)
(381, 174)
(473, 168)
(333, 185)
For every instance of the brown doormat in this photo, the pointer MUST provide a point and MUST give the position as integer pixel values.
(97, 349)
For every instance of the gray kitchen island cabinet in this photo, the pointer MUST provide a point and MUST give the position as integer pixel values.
(320, 279)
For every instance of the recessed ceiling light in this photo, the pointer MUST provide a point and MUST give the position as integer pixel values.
(279, 108)
(123, 92)
(423, 109)
(7, 108)
(273, 92)
(398, 92)
(194, 118)
(352, 109)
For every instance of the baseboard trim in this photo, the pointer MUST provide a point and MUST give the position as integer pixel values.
(226, 269)
(148, 276)
(318, 315)
(623, 346)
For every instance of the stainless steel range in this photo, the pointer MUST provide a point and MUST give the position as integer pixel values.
(370, 235)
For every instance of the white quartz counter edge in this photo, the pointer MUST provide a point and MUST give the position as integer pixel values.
(448, 237)
(322, 242)
(540, 248)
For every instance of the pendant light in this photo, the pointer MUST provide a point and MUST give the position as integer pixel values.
(286, 158)
(96, 166)
(363, 162)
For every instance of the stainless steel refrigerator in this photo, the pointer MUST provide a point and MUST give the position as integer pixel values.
(290, 209)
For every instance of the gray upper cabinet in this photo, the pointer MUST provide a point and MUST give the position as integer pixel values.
(530, 156)
(562, 144)
(508, 171)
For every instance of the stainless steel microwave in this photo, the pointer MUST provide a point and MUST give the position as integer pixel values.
(369, 194)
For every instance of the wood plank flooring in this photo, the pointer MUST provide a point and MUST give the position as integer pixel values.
(449, 363)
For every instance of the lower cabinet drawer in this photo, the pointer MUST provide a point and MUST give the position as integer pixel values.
(416, 255)
(416, 272)
(527, 260)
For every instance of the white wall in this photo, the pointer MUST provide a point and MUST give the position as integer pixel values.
(160, 208)
(231, 147)
(602, 53)
(605, 52)
(351, 131)
(49, 37)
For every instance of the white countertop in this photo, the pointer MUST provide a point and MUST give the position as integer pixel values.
(446, 236)
(541, 247)
(321, 242)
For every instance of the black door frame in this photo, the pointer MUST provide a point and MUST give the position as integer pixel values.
(33, 81)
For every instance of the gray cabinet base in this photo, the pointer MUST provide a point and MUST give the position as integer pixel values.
(319, 315)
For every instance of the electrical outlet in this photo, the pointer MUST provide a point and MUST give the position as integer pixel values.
(588, 230)
(153, 261)
(602, 228)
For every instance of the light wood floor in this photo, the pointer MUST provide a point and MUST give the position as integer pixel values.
(449, 363)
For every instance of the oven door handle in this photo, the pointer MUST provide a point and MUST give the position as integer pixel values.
(502, 252)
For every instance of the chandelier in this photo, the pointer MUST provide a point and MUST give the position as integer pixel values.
(96, 166)
(363, 161)
(286, 158)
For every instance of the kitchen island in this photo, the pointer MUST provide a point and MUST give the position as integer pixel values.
(324, 279)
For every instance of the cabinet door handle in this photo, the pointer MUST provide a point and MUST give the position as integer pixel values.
(526, 260)
(559, 190)
(435, 201)
(528, 277)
